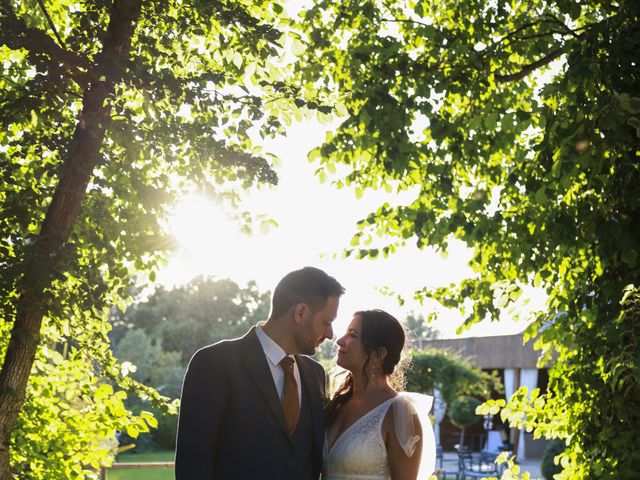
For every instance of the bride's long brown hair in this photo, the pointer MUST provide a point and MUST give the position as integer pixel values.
(378, 329)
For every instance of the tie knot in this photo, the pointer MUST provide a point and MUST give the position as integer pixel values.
(287, 364)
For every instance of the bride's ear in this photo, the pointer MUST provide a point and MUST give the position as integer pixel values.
(381, 353)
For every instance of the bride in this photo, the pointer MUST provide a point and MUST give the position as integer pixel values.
(374, 432)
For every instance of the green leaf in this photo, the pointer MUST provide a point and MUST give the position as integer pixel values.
(149, 418)
(364, 117)
(237, 59)
(628, 103)
(132, 430)
(314, 155)
(635, 123)
(541, 196)
(490, 121)
(630, 257)
(298, 48)
(268, 224)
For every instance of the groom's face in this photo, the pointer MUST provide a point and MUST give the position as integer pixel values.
(316, 327)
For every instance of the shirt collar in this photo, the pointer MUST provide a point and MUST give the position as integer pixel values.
(272, 350)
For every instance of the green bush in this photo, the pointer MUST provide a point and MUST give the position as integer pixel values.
(548, 468)
(161, 437)
(463, 413)
(165, 435)
(452, 375)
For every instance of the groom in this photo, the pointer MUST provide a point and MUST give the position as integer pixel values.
(251, 407)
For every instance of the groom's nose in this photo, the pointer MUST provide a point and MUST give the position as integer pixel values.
(328, 333)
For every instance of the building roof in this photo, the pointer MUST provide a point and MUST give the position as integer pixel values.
(506, 351)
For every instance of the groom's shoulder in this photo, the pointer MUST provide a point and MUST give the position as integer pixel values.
(220, 349)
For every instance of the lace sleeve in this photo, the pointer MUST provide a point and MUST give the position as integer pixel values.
(403, 419)
(404, 409)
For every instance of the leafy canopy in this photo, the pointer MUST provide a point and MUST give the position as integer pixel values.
(515, 125)
(186, 101)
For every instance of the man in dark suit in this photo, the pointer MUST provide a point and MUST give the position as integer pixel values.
(251, 408)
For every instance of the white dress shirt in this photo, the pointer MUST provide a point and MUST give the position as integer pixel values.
(275, 354)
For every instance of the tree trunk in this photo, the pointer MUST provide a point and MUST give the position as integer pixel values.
(43, 261)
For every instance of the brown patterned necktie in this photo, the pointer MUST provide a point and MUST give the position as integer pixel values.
(290, 402)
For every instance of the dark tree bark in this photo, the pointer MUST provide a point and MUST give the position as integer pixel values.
(81, 158)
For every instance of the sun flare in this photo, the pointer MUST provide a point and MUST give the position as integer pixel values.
(202, 229)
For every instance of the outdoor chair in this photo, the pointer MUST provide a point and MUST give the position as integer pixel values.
(442, 465)
(477, 467)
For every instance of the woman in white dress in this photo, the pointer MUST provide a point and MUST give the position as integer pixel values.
(374, 432)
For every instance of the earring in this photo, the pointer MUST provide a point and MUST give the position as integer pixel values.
(373, 371)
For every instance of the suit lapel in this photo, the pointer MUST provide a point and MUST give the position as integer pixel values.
(310, 383)
(256, 363)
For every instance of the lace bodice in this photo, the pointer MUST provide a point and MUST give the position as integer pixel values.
(359, 453)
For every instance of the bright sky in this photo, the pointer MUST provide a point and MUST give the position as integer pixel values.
(315, 221)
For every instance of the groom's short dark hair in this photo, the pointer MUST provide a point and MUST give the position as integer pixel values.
(308, 285)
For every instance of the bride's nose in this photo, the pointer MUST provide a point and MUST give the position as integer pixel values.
(340, 341)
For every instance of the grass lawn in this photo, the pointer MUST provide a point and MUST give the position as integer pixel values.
(143, 473)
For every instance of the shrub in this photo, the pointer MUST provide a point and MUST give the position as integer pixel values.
(548, 468)
(463, 413)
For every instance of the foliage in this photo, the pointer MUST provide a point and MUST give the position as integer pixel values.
(193, 315)
(156, 337)
(109, 111)
(418, 328)
(73, 410)
(581, 402)
(148, 363)
(153, 366)
(511, 470)
(548, 466)
(452, 375)
(515, 126)
(75, 417)
(462, 413)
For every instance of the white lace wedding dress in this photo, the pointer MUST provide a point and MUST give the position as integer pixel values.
(359, 453)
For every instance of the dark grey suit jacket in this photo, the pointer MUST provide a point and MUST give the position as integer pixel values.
(231, 424)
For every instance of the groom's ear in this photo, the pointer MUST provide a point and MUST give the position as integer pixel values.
(299, 311)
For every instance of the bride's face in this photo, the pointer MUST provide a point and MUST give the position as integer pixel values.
(351, 353)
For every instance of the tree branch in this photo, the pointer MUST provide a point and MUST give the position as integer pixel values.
(540, 35)
(53, 27)
(41, 47)
(405, 20)
(527, 69)
(519, 29)
(563, 25)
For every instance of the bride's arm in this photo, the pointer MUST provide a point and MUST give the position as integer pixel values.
(402, 434)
